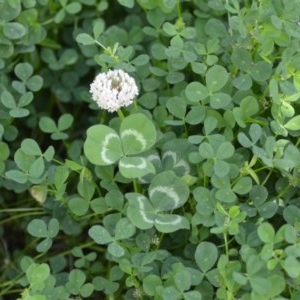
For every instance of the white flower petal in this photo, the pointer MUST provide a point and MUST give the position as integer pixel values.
(113, 90)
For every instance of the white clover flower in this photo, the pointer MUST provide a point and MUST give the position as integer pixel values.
(155, 240)
(113, 90)
(137, 293)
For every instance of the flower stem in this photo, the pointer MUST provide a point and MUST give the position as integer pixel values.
(120, 114)
(135, 185)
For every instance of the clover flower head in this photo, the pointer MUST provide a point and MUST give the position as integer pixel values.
(113, 90)
(137, 293)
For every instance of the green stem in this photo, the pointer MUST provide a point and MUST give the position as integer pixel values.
(226, 244)
(22, 215)
(267, 177)
(98, 43)
(8, 210)
(135, 185)
(178, 9)
(283, 191)
(120, 114)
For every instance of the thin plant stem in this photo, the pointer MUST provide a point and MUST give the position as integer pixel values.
(120, 114)
(135, 185)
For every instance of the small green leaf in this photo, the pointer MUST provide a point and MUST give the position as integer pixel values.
(219, 100)
(4, 151)
(85, 39)
(140, 60)
(47, 125)
(49, 153)
(19, 112)
(77, 278)
(243, 186)
(249, 106)
(100, 235)
(65, 121)
(241, 58)
(73, 8)
(17, 176)
(115, 199)
(8, 100)
(291, 214)
(23, 71)
(115, 249)
(206, 256)
(258, 195)
(44, 245)
(260, 285)
(177, 107)
(14, 30)
(255, 132)
(206, 150)
(293, 124)
(37, 228)
(216, 78)
(239, 278)
(183, 280)
(31, 147)
(192, 295)
(150, 283)
(86, 290)
(210, 123)
(292, 266)
(266, 233)
(25, 99)
(37, 168)
(78, 206)
(53, 228)
(225, 150)
(226, 195)
(242, 82)
(37, 274)
(170, 292)
(127, 3)
(97, 29)
(35, 83)
(261, 71)
(59, 136)
(244, 140)
(221, 168)
(124, 229)
(195, 92)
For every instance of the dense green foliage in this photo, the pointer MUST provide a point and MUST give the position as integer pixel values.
(194, 193)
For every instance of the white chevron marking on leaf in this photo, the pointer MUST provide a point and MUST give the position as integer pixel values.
(170, 153)
(139, 137)
(153, 157)
(141, 166)
(182, 163)
(104, 148)
(176, 221)
(168, 191)
(142, 211)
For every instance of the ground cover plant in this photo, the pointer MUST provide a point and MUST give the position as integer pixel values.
(175, 175)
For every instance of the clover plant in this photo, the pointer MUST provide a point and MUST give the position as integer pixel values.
(149, 149)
